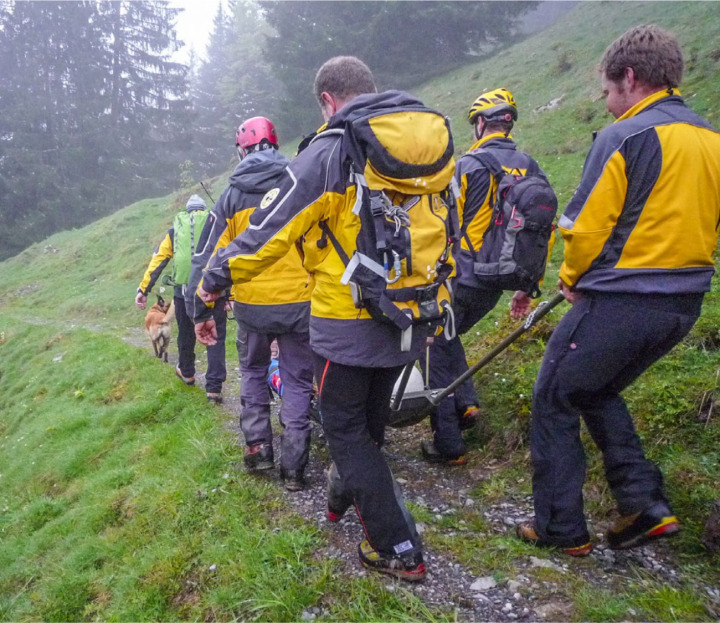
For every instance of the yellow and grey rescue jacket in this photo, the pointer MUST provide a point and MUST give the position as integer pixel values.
(477, 191)
(317, 186)
(278, 299)
(644, 218)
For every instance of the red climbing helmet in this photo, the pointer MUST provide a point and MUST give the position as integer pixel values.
(254, 130)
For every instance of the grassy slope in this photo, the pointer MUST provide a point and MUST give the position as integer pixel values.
(113, 496)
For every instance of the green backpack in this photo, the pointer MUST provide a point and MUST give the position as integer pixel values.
(187, 228)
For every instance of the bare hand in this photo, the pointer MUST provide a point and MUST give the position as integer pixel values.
(140, 300)
(228, 305)
(519, 305)
(207, 297)
(571, 296)
(206, 332)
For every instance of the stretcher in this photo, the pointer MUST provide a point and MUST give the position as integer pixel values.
(409, 406)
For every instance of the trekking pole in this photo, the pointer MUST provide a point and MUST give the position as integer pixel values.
(542, 309)
(207, 192)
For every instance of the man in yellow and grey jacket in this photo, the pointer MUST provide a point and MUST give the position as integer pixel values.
(640, 234)
(357, 358)
(274, 305)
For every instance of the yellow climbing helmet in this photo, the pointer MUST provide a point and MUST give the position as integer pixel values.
(496, 105)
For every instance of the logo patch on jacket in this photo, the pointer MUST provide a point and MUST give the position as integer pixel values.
(269, 198)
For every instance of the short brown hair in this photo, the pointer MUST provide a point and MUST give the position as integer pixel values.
(653, 53)
(344, 77)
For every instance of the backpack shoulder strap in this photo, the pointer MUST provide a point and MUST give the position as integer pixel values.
(327, 133)
(490, 162)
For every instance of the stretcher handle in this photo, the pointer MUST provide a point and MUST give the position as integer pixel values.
(542, 309)
(397, 399)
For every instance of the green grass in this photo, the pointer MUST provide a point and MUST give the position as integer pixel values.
(120, 497)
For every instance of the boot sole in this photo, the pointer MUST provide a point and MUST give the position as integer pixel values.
(663, 530)
(260, 467)
(408, 576)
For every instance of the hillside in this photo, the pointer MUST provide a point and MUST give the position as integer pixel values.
(122, 495)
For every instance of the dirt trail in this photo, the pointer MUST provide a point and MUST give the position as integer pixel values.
(444, 492)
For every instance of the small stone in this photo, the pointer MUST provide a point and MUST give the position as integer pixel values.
(545, 564)
(507, 607)
(401, 481)
(212, 568)
(513, 586)
(483, 584)
(469, 502)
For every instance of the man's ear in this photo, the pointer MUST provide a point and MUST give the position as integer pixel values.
(629, 78)
(329, 105)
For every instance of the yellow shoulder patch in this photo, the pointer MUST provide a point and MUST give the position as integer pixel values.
(269, 198)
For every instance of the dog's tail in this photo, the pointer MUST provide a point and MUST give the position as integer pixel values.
(170, 313)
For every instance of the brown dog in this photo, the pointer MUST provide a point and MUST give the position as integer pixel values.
(157, 325)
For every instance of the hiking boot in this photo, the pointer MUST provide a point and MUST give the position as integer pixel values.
(337, 503)
(470, 417)
(432, 455)
(293, 479)
(259, 457)
(409, 567)
(188, 380)
(655, 522)
(215, 397)
(526, 531)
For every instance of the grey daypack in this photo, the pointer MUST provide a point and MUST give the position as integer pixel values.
(515, 244)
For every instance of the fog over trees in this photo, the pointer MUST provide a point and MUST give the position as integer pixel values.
(95, 113)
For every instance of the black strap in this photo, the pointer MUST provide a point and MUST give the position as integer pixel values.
(335, 242)
(491, 163)
(377, 209)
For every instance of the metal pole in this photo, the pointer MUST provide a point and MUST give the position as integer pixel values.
(542, 309)
(207, 192)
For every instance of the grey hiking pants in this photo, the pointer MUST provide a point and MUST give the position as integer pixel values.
(296, 372)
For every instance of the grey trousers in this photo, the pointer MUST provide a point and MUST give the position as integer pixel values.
(296, 372)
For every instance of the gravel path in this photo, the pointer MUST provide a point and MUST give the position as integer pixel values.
(531, 594)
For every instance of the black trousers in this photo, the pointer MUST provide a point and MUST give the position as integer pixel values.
(600, 346)
(354, 407)
(447, 362)
(215, 375)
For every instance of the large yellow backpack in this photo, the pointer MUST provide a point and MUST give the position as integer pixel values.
(401, 156)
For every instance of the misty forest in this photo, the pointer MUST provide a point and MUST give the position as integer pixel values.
(97, 114)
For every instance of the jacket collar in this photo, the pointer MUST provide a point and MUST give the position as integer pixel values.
(649, 101)
(492, 137)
